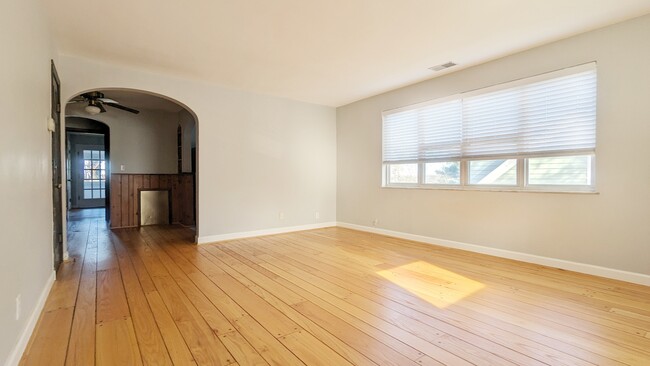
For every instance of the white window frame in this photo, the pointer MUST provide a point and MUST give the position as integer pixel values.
(522, 184)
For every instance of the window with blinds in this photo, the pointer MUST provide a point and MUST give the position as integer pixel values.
(536, 133)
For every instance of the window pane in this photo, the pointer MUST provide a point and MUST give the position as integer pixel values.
(447, 172)
(103, 164)
(95, 174)
(102, 193)
(101, 155)
(102, 184)
(96, 193)
(103, 174)
(560, 170)
(88, 164)
(87, 154)
(493, 172)
(403, 173)
(87, 184)
(95, 154)
(95, 164)
(88, 194)
(88, 174)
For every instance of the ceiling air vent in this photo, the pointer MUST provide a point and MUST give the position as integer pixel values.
(442, 66)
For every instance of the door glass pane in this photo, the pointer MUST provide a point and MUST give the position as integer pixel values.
(493, 172)
(403, 173)
(560, 170)
(447, 172)
(94, 174)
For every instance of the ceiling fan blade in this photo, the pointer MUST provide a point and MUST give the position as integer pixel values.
(76, 101)
(107, 100)
(114, 105)
(101, 107)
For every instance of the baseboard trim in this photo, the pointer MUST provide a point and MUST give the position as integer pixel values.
(17, 353)
(273, 231)
(633, 277)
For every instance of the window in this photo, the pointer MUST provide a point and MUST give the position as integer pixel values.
(537, 133)
(94, 174)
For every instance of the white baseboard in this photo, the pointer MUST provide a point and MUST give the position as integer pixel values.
(17, 353)
(249, 234)
(638, 278)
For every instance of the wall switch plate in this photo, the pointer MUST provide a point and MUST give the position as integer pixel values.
(122, 167)
(317, 215)
(374, 222)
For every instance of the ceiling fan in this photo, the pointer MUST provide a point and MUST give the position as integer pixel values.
(96, 102)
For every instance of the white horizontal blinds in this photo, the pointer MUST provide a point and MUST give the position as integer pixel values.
(431, 132)
(547, 114)
(556, 115)
(400, 136)
(441, 128)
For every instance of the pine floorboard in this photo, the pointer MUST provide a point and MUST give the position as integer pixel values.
(330, 296)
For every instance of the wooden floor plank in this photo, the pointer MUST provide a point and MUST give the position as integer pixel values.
(148, 296)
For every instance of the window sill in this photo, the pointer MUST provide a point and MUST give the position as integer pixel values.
(495, 189)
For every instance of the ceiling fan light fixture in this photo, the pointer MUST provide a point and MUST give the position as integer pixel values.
(92, 109)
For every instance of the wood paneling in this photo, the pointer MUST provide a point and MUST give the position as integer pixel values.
(125, 188)
(330, 296)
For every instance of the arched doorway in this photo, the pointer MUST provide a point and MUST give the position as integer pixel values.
(147, 152)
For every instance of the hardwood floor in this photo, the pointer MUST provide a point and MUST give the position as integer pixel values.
(325, 297)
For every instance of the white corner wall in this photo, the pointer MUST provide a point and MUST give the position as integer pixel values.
(258, 156)
(25, 172)
(610, 229)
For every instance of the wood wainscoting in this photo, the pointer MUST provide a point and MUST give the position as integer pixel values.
(125, 193)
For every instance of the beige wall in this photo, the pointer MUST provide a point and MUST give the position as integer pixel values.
(143, 143)
(257, 155)
(610, 229)
(25, 166)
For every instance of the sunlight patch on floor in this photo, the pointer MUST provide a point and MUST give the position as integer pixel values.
(431, 283)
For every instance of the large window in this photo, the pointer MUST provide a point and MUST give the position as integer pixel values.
(537, 133)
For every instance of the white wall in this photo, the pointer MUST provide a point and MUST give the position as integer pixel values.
(257, 155)
(25, 166)
(611, 229)
(143, 143)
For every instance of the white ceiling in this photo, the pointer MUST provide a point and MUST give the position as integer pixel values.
(329, 52)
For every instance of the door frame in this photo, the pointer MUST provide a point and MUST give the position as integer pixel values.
(99, 128)
(57, 197)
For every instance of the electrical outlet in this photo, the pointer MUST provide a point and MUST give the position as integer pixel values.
(18, 306)
(122, 168)
(317, 215)
(281, 215)
(374, 222)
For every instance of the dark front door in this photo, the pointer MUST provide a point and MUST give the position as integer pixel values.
(57, 208)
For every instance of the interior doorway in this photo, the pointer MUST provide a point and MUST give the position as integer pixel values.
(88, 168)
